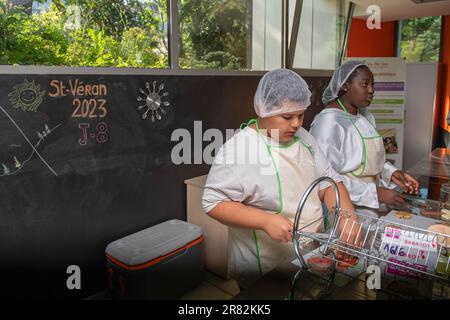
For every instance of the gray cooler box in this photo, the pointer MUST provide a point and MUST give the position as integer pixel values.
(161, 262)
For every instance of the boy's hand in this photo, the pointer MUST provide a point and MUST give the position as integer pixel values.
(349, 229)
(279, 228)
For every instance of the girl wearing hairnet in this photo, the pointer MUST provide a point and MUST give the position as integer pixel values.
(259, 175)
(346, 133)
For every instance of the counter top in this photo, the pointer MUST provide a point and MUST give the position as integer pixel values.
(197, 181)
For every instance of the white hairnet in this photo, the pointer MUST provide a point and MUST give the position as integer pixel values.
(340, 76)
(278, 86)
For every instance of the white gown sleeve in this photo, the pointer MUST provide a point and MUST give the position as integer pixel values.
(222, 184)
(386, 175)
(323, 167)
(388, 168)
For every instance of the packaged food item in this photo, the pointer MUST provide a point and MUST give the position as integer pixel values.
(345, 260)
(403, 215)
(432, 214)
(425, 207)
(445, 215)
(444, 229)
(443, 266)
(320, 263)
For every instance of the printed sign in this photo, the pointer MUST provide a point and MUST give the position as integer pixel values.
(410, 249)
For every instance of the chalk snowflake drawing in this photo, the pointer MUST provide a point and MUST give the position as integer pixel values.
(153, 101)
(27, 96)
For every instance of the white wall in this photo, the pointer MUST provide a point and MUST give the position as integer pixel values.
(420, 110)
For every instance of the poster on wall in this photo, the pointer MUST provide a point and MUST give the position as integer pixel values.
(388, 104)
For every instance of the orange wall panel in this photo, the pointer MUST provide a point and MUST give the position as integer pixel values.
(363, 42)
(445, 60)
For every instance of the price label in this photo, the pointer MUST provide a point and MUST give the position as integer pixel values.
(410, 249)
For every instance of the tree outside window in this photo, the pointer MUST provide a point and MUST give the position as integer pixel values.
(100, 33)
(420, 39)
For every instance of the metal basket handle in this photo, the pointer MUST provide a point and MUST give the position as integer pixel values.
(296, 235)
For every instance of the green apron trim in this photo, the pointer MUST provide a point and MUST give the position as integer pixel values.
(364, 161)
(258, 258)
(351, 120)
(269, 151)
(308, 147)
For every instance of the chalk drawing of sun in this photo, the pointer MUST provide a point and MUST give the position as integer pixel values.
(27, 96)
(153, 101)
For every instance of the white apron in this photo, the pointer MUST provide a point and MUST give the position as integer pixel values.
(373, 156)
(295, 166)
(372, 162)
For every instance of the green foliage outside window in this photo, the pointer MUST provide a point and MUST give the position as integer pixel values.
(126, 33)
(420, 39)
(98, 33)
(214, 34)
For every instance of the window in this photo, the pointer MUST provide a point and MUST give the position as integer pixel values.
(212, 34)
(100, 33)
(420, 39)
(230, 34)
(320, 33)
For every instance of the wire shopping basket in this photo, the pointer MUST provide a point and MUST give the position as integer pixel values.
(400, 250)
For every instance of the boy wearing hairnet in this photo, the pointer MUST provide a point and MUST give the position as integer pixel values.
(346, 133)
(259, 176)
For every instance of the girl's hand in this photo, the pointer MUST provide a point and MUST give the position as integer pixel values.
(405, 181)
(390, 197)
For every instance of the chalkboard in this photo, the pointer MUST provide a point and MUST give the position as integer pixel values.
(85, 159)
